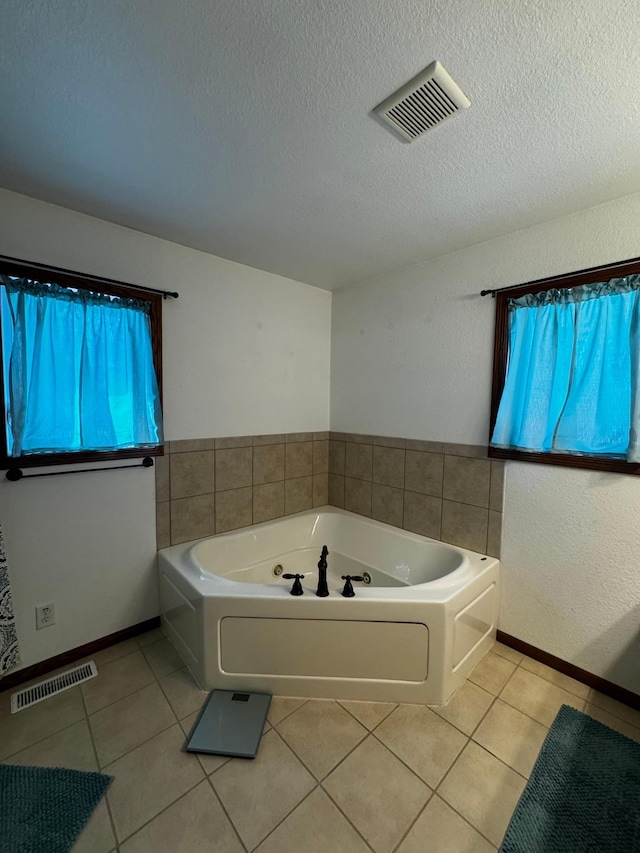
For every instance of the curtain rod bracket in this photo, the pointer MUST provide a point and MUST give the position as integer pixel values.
(487, 292)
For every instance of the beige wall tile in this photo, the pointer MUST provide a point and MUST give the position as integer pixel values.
(163, 525)
(388, 466)
(298, 459)
(234, 508)
(336, 490)
(387, 504)
(234, 468)
(467, 480)
(192, 473)
(230, 441)
(268, 501)
(496, 492)
(187, 445)
(274, 438)
(338, 436)
(465, 526)
(192, 518)
(298, 494)
(320, 489)
(479, 451)
(422, 514)
(161, 464)
(424, 446)
(320, 457)
(423, 472)
(336, 456)
(291, 437)
(268, 463)
(357, 496)
(494, 534)
(321, 436)
(388, 441)
(359, 460)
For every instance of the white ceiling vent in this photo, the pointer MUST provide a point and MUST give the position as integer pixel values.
(430, 98)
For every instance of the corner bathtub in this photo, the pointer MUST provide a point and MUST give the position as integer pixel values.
(410, 635)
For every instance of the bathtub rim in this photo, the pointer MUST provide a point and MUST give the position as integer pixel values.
(441, 589)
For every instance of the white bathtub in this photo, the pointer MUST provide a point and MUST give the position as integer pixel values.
(411, 635)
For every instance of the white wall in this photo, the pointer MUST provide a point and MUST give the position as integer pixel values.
(245, 352)
(412, 356)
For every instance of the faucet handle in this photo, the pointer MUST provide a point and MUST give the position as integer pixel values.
(296, 589)
(348, 588)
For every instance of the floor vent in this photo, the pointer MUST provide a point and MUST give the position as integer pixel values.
(428, 99)
(44, 689)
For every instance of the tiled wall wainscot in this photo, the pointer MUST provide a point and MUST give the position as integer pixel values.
(451, 492)
(208, 486)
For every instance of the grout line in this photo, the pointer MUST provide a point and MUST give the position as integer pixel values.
(344, 814)
(339, 701)
(414, 821)
(162, 810)
(222, 806)
(95, 755)
(271, 831)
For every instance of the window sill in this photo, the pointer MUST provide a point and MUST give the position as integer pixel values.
(46, 460)
(591, 463)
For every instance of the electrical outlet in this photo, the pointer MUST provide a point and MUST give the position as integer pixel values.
(45, 615)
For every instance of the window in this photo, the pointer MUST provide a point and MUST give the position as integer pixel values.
(567, 370)
(81, 368)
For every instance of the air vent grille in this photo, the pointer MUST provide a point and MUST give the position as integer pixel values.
(425, 101)
(44, 689)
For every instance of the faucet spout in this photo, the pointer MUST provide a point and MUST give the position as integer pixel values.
(323, 589)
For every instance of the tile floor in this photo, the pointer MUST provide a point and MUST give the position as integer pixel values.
(348, 777)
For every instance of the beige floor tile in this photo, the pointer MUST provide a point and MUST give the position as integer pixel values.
(492, 673)
(321, 733)
(129, 722)
(378, 794)
(483, 790)
(511, 736)
(612, 706)
(282, 706)
(507, 652)
(537, 697)
(112, 653)
(183, 693)
(466, 707)
(150, 637)
(97, 836)
(162, 658)
(614, 723)
(258, 794)
(150, 778)
(315, 826)
(210, 763)
(18, 731)
(370, 714)
(72, 748)
(558, 678)
(193, 824)
(440, 830)
(116, 680)
(423, 740)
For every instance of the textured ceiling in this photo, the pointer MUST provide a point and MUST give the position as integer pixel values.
(243, 128)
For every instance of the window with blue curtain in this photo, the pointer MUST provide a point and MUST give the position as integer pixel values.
(79, 375)
(570, 383)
